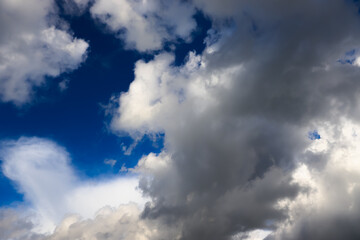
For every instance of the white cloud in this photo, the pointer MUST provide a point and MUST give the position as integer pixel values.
(82, 3)
(31, 48)
(42, 172)
(110, 162)
(121, 223)
(146, 25)
(63, 85)
(160, 93)
(257, 234)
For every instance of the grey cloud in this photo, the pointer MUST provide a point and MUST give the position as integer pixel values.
(327, 227)
(216, 185)
(330, 207)
(16, 227)
(227, 139)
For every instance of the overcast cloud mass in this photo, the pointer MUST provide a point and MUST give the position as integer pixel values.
(260, 130)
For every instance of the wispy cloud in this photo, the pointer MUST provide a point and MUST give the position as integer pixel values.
(43, 173)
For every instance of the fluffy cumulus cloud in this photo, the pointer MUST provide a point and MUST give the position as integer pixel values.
(146, 25)
(32, 48)
(123, 222)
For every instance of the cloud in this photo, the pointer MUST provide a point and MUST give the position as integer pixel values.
(32, 48)
(236, 119)
(110, 162)
(122, 223)
(257, 234)
(15, 226)
(207, 167)
(146, 25)
(63, 85)
(42, 172)
(331, 206)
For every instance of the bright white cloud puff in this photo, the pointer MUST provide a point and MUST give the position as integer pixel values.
(146, 25)
(32, 49)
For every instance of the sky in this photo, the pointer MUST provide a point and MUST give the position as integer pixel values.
(184, 120)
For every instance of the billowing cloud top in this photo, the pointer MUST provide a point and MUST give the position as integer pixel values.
(260, 129)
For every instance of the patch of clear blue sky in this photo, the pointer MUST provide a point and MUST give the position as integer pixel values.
(314, 135)
(74, 118)
(349, 57)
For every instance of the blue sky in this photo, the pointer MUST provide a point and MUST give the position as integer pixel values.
(189, 120)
